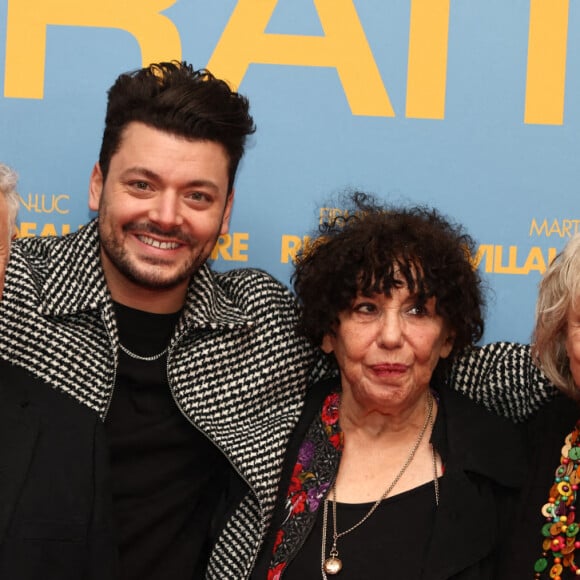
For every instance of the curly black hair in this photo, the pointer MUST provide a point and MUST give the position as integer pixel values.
(369, 247)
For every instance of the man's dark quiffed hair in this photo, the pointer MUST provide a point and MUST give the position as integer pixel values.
(370, 247)
(176, 98)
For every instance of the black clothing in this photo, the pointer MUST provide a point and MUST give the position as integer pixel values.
(484, 470)
(389, 551)
(54, 485)
(166, 475)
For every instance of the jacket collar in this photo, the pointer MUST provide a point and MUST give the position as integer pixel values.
(465, 436)
(75, 283)
(475, 446)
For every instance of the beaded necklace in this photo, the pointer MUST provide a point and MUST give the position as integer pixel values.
(560, 529)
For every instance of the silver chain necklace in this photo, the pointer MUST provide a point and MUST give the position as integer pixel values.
(144, 358)
(333, 564)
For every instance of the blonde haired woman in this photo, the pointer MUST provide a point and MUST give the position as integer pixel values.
(545, 541)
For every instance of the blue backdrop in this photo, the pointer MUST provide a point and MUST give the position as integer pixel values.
(469, 106)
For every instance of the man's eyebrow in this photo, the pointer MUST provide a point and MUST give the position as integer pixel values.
(137, 169)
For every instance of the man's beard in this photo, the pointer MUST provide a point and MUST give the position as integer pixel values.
(148, 279)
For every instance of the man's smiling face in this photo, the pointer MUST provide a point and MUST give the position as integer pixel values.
(162, 206)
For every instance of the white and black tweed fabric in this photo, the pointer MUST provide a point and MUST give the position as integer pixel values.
(502, 377)
(236, 367)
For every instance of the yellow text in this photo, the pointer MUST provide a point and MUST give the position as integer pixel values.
(546, 72)
(343, 46)
(500, 260)
(41, 203)
(290, 247)
(560, 228)
(231, 247)
(30, 229)
(28, 20)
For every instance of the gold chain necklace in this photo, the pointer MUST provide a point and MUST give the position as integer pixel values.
(333, 564)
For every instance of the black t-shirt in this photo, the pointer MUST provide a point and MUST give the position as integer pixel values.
(167, 476)
(390, 544)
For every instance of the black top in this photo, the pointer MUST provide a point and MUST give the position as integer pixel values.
(166, 475)
(394, 538)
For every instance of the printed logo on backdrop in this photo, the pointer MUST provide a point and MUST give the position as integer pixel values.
(34, 211)
(491, 258)
(343, 46)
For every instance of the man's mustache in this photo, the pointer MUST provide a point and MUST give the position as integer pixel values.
(174, 233)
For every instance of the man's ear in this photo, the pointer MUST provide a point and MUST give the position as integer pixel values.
(95, 187)
(227, 214)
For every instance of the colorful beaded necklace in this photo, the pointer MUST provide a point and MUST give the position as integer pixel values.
(560, 529)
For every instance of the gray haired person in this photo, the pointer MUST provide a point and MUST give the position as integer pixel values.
(8, 212)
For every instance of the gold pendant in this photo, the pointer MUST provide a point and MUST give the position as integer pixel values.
(332, 565)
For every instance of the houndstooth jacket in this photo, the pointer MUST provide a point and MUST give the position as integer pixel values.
(236, 368)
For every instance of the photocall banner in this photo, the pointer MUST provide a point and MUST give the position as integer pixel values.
(469, 106)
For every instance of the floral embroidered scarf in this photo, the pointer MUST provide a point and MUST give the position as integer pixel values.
(313, 475)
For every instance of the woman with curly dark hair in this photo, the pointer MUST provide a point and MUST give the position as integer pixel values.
(389, 474)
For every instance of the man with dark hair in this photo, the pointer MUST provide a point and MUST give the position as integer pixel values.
(188, 369)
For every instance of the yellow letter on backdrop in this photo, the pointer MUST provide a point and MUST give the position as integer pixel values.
(26, 25)
(344, 46)
(427, 67)
(546, 80)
